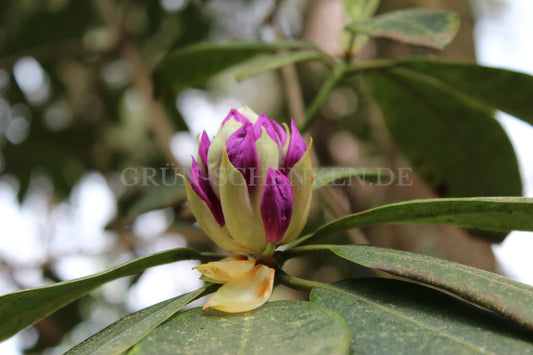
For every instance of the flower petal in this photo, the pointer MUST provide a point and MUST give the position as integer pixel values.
(296, 148)
(267, 156)
(209, 224)
(237, 116)
(280, 131)
(249, 291)
(247, 112)
(274, 130)
(301, 178)
(200, 184)
(242, 152)
(243, 225)
(276, 205)
(225, 270)
(214, 155)
(203, 149)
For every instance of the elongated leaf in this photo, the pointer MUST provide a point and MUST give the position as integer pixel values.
(128, 331)
(501, 89)
(350, 176)
(422, 27)
(271, 62)
(486, 213)
(396, 317)
(195, 64)
(282, 327)
(495, 292)
(494, 88)
(454, 144)
(22, 308)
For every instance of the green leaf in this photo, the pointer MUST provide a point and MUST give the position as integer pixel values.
(493, 88)
(486, 213)
(155, 198)
(455, 145)
(22, 308)
(128, 331)
(496, 88)
(360, 9)
(193, 65)
(263, 64)
(329, 175)
(495, 292)
(282, 327)
(396, 317)
(422, 27)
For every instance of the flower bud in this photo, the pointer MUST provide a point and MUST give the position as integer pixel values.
(250, 187)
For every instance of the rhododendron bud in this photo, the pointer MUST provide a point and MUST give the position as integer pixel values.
(250, 187)
(250, 191)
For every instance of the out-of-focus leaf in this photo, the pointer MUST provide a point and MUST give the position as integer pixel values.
(155, 198)
(128, 331)
(22, 308)
(455, 145)
(328, 175)
(489, 213)
(281, 327)
(193, 65)
(270, 62)
(495, 292)
(422, 27)
(20, 27)
(501, 89)
(360, 9)
(397, 317)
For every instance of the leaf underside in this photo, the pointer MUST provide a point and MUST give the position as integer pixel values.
(495, 292)
(422, 27)
(397, 317)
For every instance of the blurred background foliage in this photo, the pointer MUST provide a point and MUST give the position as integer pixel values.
(80, 118)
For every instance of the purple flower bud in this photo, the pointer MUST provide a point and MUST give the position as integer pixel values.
(276, 205)
(202, 150)
(240, 188)
(242, 152)
(200, 184)
(296, 148)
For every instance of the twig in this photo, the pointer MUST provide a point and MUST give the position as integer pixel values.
(298, 283)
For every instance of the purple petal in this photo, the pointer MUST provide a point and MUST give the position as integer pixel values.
(274, 130)
(200, 184)
(296, 148)
(242, 152)
(239, 117)
(204, 147)
(280, 132)
(276, 205)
